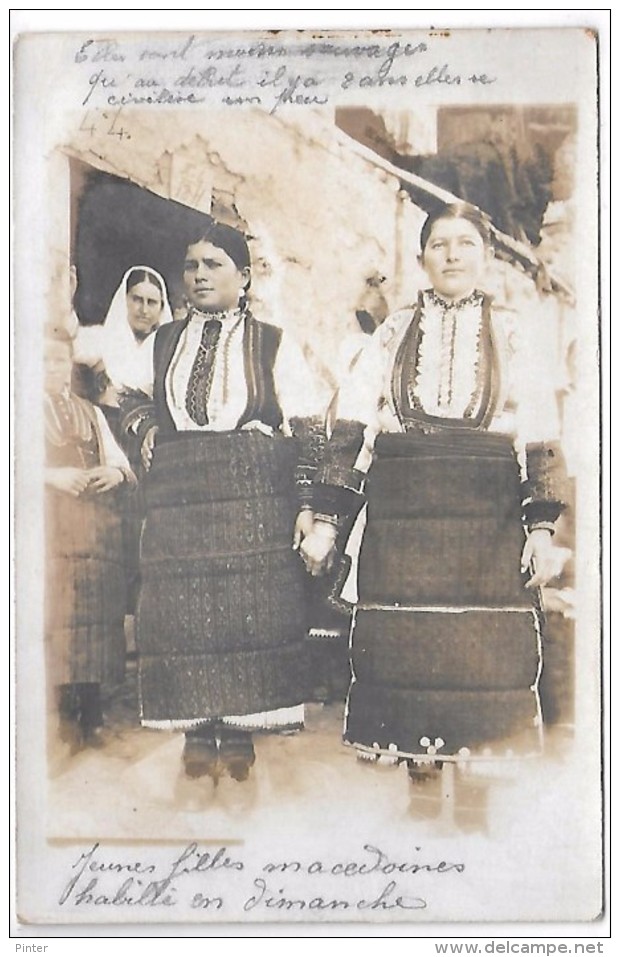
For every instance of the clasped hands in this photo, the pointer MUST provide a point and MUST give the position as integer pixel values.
(316, 543)
(74, 481)
(540, 554)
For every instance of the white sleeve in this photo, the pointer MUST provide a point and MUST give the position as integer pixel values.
(88, 344)
(112, 453)
(534, 382)
(295, 385)
(142, 374)
(362, 389)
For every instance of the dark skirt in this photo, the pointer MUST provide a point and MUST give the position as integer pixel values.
(446, 641)
(221, 617)
(85, 589)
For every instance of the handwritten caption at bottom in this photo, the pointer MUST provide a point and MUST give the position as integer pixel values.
(220, 880)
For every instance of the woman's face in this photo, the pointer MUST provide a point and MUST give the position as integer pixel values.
(455, 257)
(57, 366)
(144, 308)
(212, 281)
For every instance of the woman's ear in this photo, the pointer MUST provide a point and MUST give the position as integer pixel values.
(246, 274)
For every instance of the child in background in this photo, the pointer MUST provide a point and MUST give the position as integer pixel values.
(85, 579)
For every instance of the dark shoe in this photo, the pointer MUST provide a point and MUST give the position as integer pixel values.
(96, 738)
(70, 733)
(237, 753)
(200, 755)
(423, 773)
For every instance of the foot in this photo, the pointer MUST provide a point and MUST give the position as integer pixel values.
(94, 738)
(200, 756)
(237, 753)
(421, 773)
(71, 734)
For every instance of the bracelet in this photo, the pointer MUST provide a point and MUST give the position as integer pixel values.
(547, 526)
(332, 520)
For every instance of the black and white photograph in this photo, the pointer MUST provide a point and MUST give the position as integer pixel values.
(308, 620)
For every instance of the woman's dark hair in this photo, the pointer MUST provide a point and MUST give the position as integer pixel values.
(232, 241)
(137, 276)
(224, 237)
(479, 220)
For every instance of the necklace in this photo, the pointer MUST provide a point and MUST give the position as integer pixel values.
(473, 299)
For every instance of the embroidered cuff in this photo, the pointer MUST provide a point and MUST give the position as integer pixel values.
(310, 431)
(546, 482)
(340, 477)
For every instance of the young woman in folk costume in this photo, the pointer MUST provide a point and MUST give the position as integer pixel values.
(84, 471)
(221, 622)
(448, 423)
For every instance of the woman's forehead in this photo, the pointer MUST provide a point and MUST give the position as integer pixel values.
(146, 287)
(206, 250)
(450, 228)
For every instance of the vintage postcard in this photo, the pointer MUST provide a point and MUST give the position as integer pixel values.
(307, 392)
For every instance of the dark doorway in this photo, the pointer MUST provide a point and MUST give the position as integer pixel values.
(117, 225)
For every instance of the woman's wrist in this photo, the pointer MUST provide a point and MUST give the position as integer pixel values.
(541, 527)
(325, 529)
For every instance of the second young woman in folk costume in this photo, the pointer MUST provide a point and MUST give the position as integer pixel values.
(221, 623)
(449, 422)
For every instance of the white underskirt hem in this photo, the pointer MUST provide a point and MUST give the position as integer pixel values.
(259, 721)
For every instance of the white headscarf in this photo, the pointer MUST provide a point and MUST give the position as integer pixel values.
(121, 352)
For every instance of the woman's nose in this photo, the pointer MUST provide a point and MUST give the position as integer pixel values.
(452, 251)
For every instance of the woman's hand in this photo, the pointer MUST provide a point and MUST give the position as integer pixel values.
(318, 548)
(104, 478)
(541, 554)
(69, 480)
(148, 445)
(303, 527)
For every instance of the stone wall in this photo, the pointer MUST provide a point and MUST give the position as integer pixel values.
(323, 219)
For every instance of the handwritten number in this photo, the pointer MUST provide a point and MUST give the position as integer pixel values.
(113, 131)
(87, 129)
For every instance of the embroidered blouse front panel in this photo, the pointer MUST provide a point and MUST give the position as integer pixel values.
(446, 379)
(228, 394)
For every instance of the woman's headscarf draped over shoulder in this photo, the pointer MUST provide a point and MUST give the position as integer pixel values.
(121, 352)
